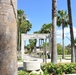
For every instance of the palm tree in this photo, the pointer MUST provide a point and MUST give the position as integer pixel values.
(23, 27)
(32, 44)
(75, 40)
(71, 31)
(20, 17)
(54, 45)
(8, 38)
(46, 28)
(62, 19)
(22, 22)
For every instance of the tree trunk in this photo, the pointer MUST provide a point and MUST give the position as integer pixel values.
(8, 38)
(18, 43)
(71, 31)
(54, 45)
(63, 41)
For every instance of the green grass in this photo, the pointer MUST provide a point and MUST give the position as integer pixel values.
(66, 56)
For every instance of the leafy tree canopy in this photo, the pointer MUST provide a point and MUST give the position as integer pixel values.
(75, 40)
(46, 28)
(62, 18)
(59, 48)
(23, 25)
(31, 45)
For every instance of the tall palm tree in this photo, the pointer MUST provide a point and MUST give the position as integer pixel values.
(23, 26)
(20, 17)
(8, 37)
(62, 20)
(32, 44)
(54, 45)
(75, 40)
(46, 28)
(71, 31)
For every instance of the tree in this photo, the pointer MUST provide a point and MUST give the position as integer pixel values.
(22, 22)
(33, 41)
(28, 48)
(68, 48)
(54, 45)
(8, 38)
(62, 19)
(71, 31)
(32, 45)
(23, 26)
(59, 49)
(46, 28)
(75, 40)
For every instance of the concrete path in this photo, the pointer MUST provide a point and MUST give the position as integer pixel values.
(29, 57)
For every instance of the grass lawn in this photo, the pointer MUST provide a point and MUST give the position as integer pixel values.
(66, 56)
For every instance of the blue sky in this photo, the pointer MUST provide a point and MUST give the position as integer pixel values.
(39, 12)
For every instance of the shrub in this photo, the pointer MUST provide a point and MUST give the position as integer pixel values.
(67, 68)
(22, 73)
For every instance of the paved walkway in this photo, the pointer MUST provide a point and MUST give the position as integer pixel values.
(28, 57)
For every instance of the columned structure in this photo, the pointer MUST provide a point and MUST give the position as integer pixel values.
(32, 36)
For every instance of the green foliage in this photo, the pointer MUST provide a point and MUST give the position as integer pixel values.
(28, 47)
(33, 74)
(22, 73)
(59, 68)
(59, 49)
(33, 41)
(68, 49)
(32, 44)
(46, 28)
(62, 18)
(75, 40)
(23, 26)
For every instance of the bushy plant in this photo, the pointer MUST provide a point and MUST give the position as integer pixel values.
(22, 73)
(33, 74)
(67, 68)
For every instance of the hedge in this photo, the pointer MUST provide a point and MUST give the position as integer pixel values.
(67, 68)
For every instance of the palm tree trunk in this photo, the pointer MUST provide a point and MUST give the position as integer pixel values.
(62, 41)
(18, 42)
(54, 45)
(35, 46)
(35, 50)
(71, 31)
(8, 38)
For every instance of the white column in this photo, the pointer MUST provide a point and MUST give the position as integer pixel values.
(22, 48)
(50, 46)
(75, 52)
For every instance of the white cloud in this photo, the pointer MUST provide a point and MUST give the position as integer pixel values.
(66, 32)
(74, 32)
(66, 35)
